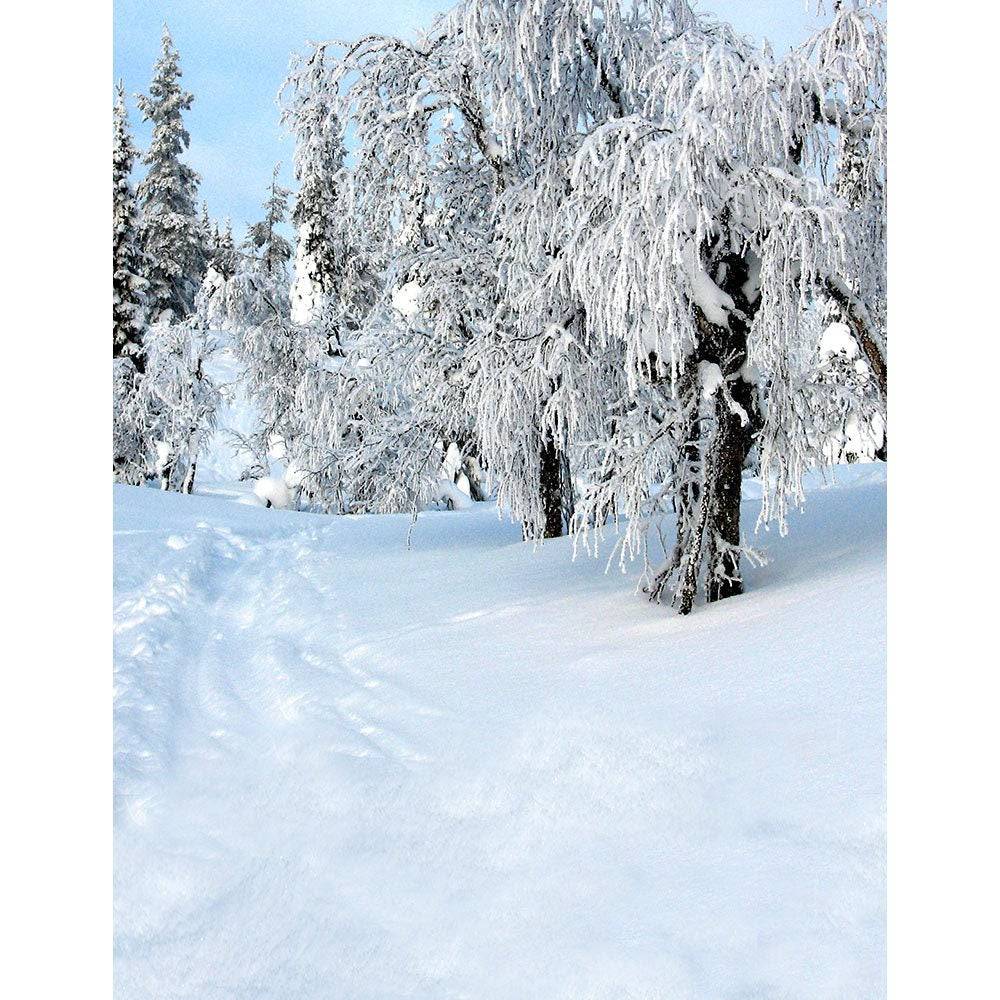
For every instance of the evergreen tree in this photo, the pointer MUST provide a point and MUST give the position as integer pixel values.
(128, 310)
(263, 238)
(171, 229)
(225, 256)
(208, 232)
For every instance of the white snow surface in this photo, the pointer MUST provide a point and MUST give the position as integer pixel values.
(474, 768)
(838, 339)
(406, 299)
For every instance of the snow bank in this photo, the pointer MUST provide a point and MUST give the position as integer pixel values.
(470, 768)
(272, 492)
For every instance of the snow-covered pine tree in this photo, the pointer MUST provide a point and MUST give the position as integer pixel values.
(263, 238)
(172, 237)
(206, 234)
(128, 309)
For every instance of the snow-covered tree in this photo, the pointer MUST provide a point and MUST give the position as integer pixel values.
(425, 177)
(128, 309)
(172, 235)
(335, 281)
(182, 400)
(549, 72)
(662, 205)
(612, 237)
(131, 443)
(688, 239)
(263, 238)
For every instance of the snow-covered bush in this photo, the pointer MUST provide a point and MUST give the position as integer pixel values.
(844, 400)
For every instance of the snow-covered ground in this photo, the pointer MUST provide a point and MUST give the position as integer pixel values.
(346, 768)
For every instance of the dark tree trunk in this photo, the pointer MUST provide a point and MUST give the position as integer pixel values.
(687, 475)
(688, 586)
(731, 446)
(470, 466)
(550, 487)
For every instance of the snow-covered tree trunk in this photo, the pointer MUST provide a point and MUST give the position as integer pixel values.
(194, 441)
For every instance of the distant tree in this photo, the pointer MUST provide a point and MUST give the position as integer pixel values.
(128, 309)
(225, 256)
(263, 239)
(172, 233)
(334, 283)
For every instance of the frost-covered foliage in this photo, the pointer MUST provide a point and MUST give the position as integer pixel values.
(250, 296)
(687, 235)
(128, 311)
(424, 182)
(181, 400)
(844, 418)
(172, 234)
(273, 356)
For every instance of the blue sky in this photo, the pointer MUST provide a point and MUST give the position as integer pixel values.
(234, 54)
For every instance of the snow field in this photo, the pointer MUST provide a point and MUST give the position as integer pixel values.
(473, 769)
